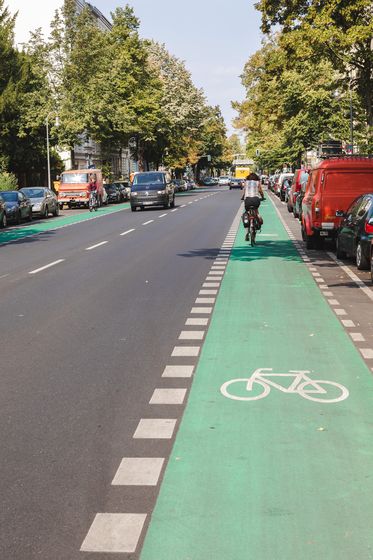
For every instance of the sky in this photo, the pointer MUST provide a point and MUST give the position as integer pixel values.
(214, 37)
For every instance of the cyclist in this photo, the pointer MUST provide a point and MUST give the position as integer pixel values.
(252, 196)
(92, 190)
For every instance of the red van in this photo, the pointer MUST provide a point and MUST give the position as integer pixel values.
(331, 188)
(295, 190)
(74, 190)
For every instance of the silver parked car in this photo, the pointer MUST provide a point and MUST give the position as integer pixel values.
(43, 200)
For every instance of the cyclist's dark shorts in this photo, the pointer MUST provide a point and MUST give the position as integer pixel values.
(252, 202)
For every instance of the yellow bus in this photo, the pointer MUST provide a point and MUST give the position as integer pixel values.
(242, 167)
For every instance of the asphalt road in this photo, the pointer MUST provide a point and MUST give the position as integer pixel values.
(83, 345)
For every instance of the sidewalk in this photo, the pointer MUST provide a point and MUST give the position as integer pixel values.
(281, 477)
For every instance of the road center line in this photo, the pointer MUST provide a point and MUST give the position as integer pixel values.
(46, 266)
(128, 231)
(162, 215)
(148, 222)
(97, 245)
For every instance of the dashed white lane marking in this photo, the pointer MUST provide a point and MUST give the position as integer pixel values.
(148, 222)
(197, 321)
(323, 286)
(218, 267)
(367, 353)
(190, 351)
(138, 471)
(211, 284)
(216, 273)
(205, 300)
(175, 210)
(367, 291)
(207, 292)
(328, 294)
(114, 533)
(191, 335)
(3, 276)
(348, 323)
(316, 274)
(183, 206)
(162, 215)
(333, 301)
(357, 337)
(128, 231)
(340, 312)
(168, 396)
(155, 428)
(202, 310)
(46, 266)
(178, 371)
(97, 245)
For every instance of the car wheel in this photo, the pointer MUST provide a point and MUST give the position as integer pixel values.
(133, 208)
(29, 217)
(56, 211)
(371, 267)
(3, 222)
(339, 252)
(18, 218)
(362, 262)
(172, 205)
(46, 212)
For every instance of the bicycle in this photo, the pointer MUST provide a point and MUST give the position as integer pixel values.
(93, 201)
(301, 381)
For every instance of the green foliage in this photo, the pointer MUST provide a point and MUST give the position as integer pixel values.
(338, 31)
(8, 181)
(290, 108)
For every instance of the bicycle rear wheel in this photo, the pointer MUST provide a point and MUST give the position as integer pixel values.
(252, 233)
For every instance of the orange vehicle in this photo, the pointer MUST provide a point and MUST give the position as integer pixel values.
(331, 188)
(73, 189)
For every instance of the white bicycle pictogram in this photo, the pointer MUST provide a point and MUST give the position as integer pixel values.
(301, 385)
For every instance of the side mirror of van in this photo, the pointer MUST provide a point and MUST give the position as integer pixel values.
(340, 214)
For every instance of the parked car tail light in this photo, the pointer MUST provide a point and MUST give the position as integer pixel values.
(317, 207)
(368, 227)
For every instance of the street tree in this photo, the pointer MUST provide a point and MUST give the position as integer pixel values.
(338, 31)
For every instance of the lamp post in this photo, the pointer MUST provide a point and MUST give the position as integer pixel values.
(351, 116)
(48, 149)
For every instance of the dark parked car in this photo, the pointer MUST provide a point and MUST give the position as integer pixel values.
(297, 208)
(152, 188)
(17, 206)
(124, 188)
(113, 193)
(355, 234)
(180, 185)
(235, 183)
(43, 201)
(3, 220)
(209, 181)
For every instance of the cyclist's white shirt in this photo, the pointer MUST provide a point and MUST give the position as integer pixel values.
(251, 189)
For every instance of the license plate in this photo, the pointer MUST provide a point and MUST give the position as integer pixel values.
(148, 203)
(324, 233)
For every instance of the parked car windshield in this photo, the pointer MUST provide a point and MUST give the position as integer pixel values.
(148, 178)
(75, 178)
(9, 196)
(34, 193)
(110, 188)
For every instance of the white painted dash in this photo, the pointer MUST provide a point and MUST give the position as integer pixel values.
(46, 266)
(114, 533)
(97, 245)
(138, 471)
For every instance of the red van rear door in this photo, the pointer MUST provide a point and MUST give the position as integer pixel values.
(339, 189)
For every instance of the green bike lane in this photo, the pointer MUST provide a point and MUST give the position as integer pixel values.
(281, 477)
(15, 234)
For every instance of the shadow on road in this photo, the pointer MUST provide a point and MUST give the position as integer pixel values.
(265, 249)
